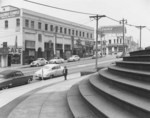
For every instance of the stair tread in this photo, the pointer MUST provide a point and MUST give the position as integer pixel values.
(125, 80)
(77, 105)
(122, 95)
(134, 62)
(105, 106)
(142, 72)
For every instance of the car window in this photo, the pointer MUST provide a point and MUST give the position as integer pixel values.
(18, 73)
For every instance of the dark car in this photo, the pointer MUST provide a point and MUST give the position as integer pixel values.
(12, 78)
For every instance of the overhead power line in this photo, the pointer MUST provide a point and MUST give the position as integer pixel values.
(60, 8)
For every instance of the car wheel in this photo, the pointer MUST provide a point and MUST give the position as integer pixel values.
(5, 87)
(29, 81)
(37, 65)
(51, 76)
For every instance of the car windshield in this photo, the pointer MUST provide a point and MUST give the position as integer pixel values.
(2, 77)
(46, 67)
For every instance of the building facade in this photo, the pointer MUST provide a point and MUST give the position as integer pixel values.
(39, 35)
(112, 39)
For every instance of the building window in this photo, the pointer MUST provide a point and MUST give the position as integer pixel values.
(69, 31)
(83, 34)
(56, 29)
(26, 23)
(91, 36)
(109, 41)
(65, 31)
(39, 25)
(39, 37)
(80, 33)
(61, 30)
(46, 27)
(76, 32)
(87, 35)
(114, 41)
(51, 27)
(72, 32)
(17, 22)
(6, 23)
(32, 24)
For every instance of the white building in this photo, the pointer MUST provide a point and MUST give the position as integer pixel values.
(40, 35)
(112, 38)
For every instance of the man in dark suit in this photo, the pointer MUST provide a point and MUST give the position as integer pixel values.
(65, 72)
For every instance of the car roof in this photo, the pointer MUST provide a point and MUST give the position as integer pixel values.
(52, 65)
(7, 72)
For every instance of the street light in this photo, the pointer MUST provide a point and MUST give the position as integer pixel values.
(97, 17)
(140, 27)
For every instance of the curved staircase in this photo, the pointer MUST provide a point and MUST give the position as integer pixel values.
(120, 91)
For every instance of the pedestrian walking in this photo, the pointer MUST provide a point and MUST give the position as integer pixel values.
(65, 72)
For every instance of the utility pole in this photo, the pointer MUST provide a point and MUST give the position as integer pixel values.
(140, 27)
(123, 22)
(97, 17)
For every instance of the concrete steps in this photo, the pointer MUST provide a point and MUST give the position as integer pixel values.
(122, 90)
(134, 65)
(141, 58)
(77, 105)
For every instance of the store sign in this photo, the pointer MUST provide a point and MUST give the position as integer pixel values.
(112, 29)
(14, 50)
(9, 14)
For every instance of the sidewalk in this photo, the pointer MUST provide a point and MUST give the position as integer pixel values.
(48, 102)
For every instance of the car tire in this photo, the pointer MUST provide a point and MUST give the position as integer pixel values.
(5, 87)
(51, 76)
(29, 81)
(37, 65)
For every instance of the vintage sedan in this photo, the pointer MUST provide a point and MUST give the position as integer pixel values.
(49, 71)
(39, 62)
(12, 78)
(56, 60)
(73, 58)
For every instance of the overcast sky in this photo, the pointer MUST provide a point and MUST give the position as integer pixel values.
(137, 12)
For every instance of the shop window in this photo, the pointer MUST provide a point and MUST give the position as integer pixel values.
(6, 23)
(30, 44)
(18, 22)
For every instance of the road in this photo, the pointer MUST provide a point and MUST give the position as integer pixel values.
(6, 96)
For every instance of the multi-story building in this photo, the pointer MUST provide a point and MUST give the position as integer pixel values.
(112, 38)
(38, 35)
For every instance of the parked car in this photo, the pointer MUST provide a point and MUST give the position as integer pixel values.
(39, 62)
(94, 56)
(73, 58)
(56, 60)
(119, 55)
(12, 78)
(49, 71)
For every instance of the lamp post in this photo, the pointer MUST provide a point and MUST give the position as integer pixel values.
(123, 22)
(140, 27)
(97, 17)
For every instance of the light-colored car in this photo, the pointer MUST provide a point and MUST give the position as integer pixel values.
(39, 62)
(49, 71)
(73, 58)
(56, 60)
(94, 56)
(119, 55)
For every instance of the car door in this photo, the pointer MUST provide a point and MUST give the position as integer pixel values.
(54, 71)
(59, 70)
